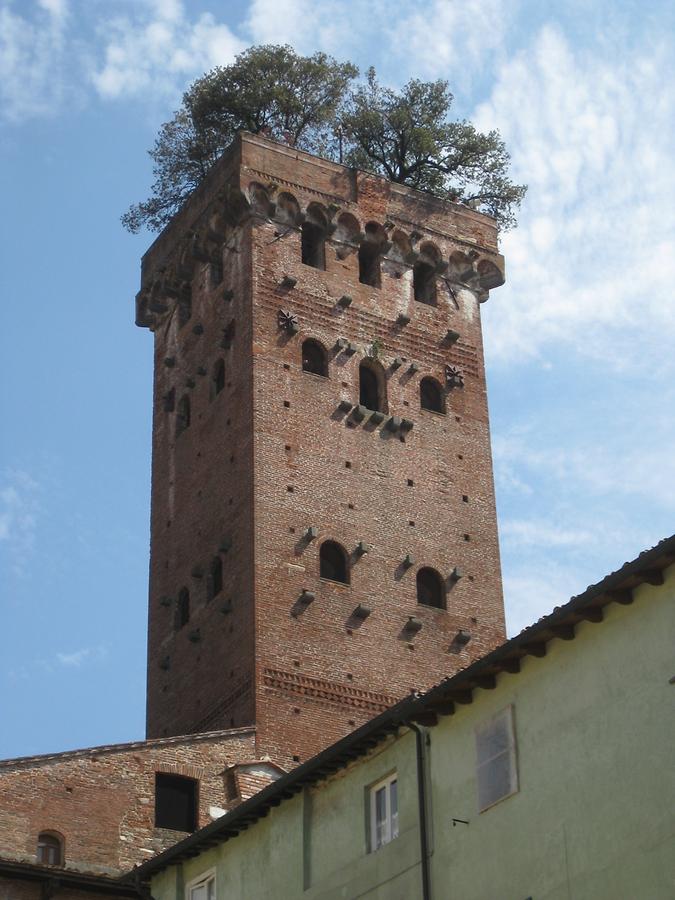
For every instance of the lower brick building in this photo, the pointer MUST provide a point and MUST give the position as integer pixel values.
(103, 810)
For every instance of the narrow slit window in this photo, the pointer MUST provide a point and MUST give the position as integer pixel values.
(185, 306)
(314, 358)
(313, 243)
(182, 415)
(430, 588)
(369, 264)
(216, 584)
(218, 379)
(183, 608)
(333, 562)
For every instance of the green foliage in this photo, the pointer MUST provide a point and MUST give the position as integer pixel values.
(268, 89)
(407, 137)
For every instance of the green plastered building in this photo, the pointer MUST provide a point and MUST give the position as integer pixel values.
(546, 770)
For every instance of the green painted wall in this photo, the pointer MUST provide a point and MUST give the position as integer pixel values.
(594, 817)
(595, 814)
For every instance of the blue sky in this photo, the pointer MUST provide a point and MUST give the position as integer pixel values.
(579, 342)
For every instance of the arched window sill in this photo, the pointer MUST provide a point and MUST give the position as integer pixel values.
(341, 584)
(434, 412)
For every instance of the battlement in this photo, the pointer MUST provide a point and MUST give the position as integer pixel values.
(261, 179)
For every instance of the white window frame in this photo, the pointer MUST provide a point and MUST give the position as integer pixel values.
(390, 830)
(504, 718)
(202, 880)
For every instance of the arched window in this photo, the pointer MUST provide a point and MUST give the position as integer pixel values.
(218, 377)
(314, 358)
(313, 244)
(431, 395)
(333, 562)
(430, 588)
(182, 415)
(424, 282)
(372, 386)
(49, 849)
(216, 584)
(183, 608)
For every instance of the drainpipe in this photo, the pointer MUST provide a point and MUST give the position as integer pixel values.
(420, 735)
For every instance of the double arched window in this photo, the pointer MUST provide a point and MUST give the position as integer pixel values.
(430, 588)
(431, 395)
(372, 386)
(333, 562)
(50, 849)
(314, 358)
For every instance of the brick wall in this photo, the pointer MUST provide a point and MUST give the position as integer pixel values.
(101, 800)
(273, 454)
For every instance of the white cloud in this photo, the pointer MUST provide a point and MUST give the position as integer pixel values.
(593, 261)
(77, 658)
(32, 46)
(19, 510)
(448, 38)
(155, 51)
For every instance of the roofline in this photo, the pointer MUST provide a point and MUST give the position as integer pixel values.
(616, 587)
(130, 745)
(78, 881)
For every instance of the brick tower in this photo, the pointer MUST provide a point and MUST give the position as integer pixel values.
(323, 534)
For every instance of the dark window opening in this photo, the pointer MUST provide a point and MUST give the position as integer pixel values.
(372, 387)
(216, 576)
(431, 395)
(369, 264)
(183, 608)
(175, 802)
(182, 415)
(424, 283)
(216, 273)
(49, 850)
(314, 358)
(313, 243)
(218, 376)
(184, 306)
(430, 588)
(333, 562)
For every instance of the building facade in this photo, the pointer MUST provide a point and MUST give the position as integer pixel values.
(323, 524)
(542, 771)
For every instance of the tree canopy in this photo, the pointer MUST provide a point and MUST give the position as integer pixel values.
(305, 101)
(408, 138)
(268, 89)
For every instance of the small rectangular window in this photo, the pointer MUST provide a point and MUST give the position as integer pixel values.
(175, 802)
(202, 888)
(497, 772)
(383, 812)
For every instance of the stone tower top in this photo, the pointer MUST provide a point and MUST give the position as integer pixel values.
(260, 176)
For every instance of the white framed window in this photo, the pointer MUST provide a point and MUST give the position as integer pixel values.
(497, 772)
(383, 811)
(203, 887)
